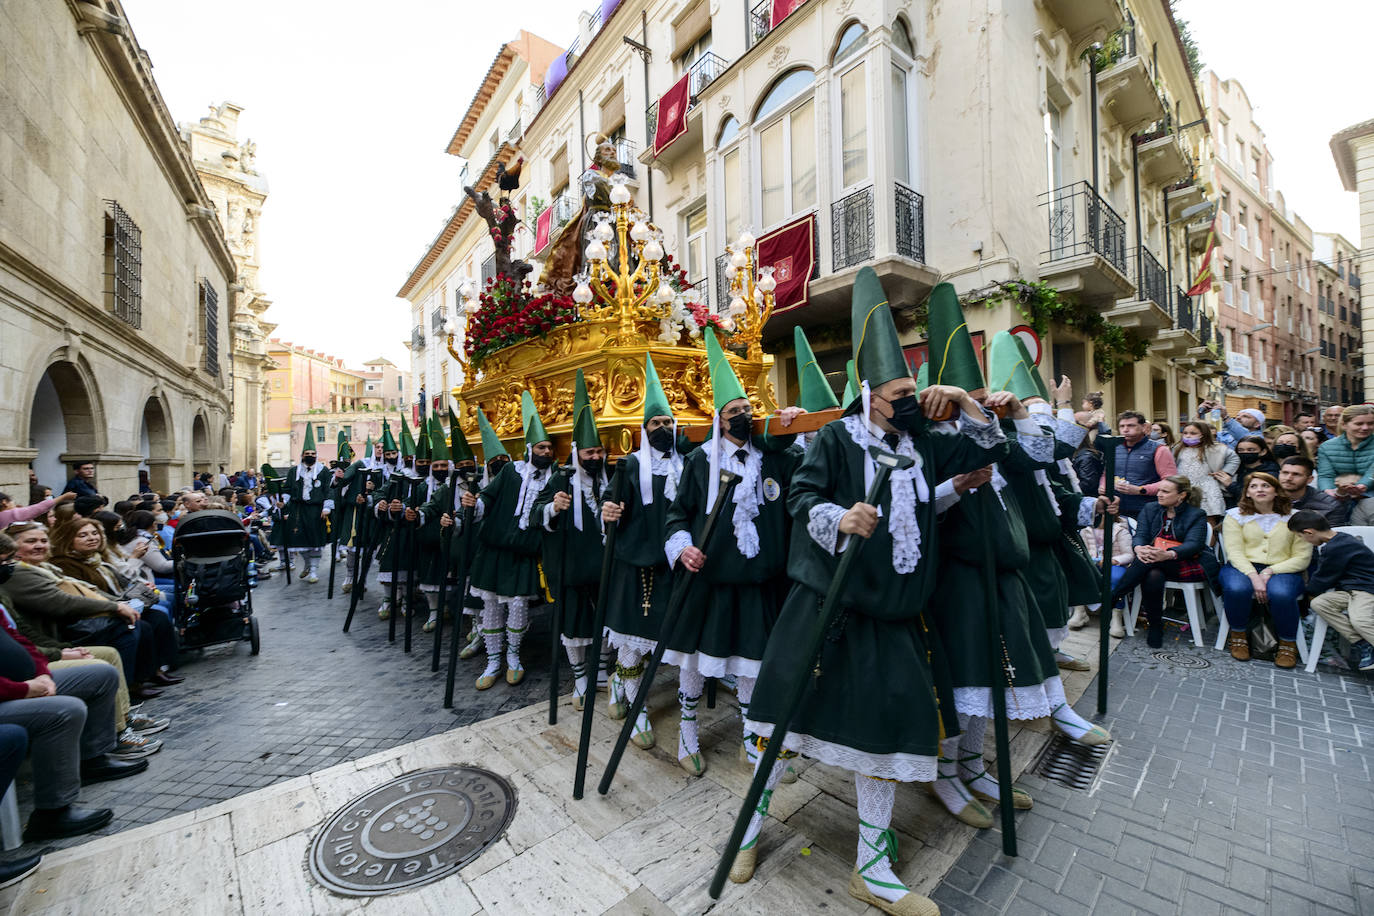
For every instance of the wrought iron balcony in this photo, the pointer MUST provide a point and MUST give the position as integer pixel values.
(417, 338)
(760, 21)
(851, 229)
(564, 209)
(625, 152)
(1081, 223)
(701, 74)
(1151, 281)
(1183, 314)
(911, 224)
(722, 283)
(436, 320)
(488, 270)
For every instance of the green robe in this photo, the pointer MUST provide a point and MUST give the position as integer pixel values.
(640, 573)
(874, 708)
(396, 537)
(1045, 570)
(507, 559)
(348, 519)
(734, 601)
(1083, 576)
(302, 525)
(572, 558)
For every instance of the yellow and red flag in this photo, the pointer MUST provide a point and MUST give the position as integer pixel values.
(1205, 276)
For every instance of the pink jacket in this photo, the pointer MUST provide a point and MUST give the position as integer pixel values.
(25, 513)
(1122, 551)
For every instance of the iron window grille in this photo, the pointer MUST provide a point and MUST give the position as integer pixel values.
(911, 224)
(851, 229)
(417, 338)
(1082, 223)
(123, 266)
(209, 326)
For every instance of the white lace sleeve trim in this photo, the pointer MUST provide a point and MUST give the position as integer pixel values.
(676, 545)
(823, 524)
(900, 767)
(987, 434)
(1068, 432)
(945, 496)
(1267, 521)
(1034, 440)
(1087, 511)
(907, 488)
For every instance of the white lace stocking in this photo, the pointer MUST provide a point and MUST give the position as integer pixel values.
(629, 683)
(493, 629)
(877, 844)
(517, 622)
(577, 658)
(744, 692)
(690, 685)
(973, 769)
(756, 822)
(948, 788)
(1062, 715)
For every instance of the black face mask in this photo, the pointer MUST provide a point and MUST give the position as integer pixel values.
(440, 475)
(410, 462)
(593, 466)
(1284, 450)
(542, 462)
(661, 438)
(308, 460)
(494, 467)
(906, 413)
(390, 462)
(740, 426)
(1248, 457)
(6, 570)
(422, 469)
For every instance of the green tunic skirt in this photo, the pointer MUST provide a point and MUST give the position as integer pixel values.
(629, 624)
(724, 628)
(870, 667)
(1049, 586)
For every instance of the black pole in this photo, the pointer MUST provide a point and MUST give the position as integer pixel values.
(445, 551)
(826, 613)
(1000, 727)
(1139, 242)
(598, 623)
(412, 539)
(1108, 445)
(333, 543)
(286, 513)
(462, 579)
(359, 572)
(395, 544)
(668, 634)
(560, 613)
(649, 141)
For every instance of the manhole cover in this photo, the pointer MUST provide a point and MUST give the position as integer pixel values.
(1181, 659)
(1071, 764)
(413, 830)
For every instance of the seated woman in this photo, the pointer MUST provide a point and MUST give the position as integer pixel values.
(140, 541)
(1256, 457)
(1264, 562)
(1170, 545)
(79, 550)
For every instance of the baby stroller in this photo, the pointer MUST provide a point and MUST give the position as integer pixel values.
(214, 604)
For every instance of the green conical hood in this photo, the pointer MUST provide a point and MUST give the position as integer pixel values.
(1010, 368)
(851, 383)
(923, 376)
(725, 386)
(309, 445)
(529, 419)
(655, 399)
(491, 443)
(458, 445)
(584, 421)
(267, 471)
(813, 391)
(367, 449)
(423, 451)
(952, 358)
(438, 448)
(877, 351)
(407, 440)
(388, 440)
(345, 450)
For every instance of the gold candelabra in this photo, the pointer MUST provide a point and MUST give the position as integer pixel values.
(627, 293)
(751, 295)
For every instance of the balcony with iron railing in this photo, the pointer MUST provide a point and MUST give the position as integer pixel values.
(436, 320)
(564, 209)
(1087, 246)
(851, 229)
(760, 21)
(417, 338)
(699, 75)
(1164, 158)
(1125, 83)
(1151, 309)
(1180, 339)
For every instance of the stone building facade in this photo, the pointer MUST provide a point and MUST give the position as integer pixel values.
(1047, 162)
(238, 191)
(1340, 352)
(1353, 149)
(117, 286)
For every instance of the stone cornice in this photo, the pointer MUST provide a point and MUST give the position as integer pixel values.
(110, 37)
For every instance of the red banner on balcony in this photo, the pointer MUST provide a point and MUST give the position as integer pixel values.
(790, 252)
(543, 226)
(672, 114)
(1205, 277)
(781, 10)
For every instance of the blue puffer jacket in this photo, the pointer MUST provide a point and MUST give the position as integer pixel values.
(1336, 457)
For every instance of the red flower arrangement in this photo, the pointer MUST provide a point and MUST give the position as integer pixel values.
(508, 314)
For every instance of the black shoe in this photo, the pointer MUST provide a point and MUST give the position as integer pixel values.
(55, 823)
(140, 692)
(1154, 637)
(16, 870)
(163, 679)
(105, 768)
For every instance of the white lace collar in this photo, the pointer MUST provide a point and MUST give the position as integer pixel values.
(532, 480)
(1267, 521)
(907, 486)
(748, 492)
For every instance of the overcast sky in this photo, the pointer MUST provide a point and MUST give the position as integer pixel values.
(352, 104)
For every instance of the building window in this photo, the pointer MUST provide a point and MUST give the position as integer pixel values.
(901, 38)
(901, 124)
(319, 433)
(851, 40)
(348, 432)
(209, 326)
(123, 266)
(1054, 154)
(787, 148)
(853, 126)
(695, 223)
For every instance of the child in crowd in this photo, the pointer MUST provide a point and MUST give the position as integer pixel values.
(1342, 586)
(1122, 554)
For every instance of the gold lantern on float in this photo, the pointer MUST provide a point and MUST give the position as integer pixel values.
(626, 300)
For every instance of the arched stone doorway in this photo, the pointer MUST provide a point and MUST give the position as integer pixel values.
(155, 444)
(63, 423)
(200, 444)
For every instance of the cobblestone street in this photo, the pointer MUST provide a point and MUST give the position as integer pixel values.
(313, 698)
(1230, 788)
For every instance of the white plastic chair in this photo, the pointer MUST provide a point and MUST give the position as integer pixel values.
(1191, 591)
(1319, 625)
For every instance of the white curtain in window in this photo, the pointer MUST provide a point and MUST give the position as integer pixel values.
(853, 127)
(901, 143)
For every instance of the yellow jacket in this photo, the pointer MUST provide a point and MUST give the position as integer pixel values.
(1247, 543)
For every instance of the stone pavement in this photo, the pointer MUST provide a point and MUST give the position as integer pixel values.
(313, 698)
(647, 847)
(1231, 788)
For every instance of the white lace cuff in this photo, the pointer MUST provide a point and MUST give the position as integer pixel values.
(823, 524)
(987, 434)
(1069, 432)
(1087, 511)
(1033, 438)
(676, 545)
(329, 504)
(945, 496)
(479, 510)
(548, 514)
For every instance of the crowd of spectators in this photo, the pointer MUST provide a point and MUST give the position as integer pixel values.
(88, 634)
